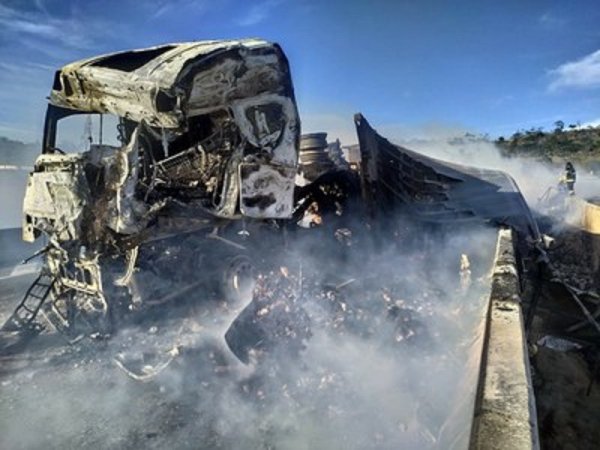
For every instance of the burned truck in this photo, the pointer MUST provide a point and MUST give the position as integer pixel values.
(207, 135)
(205, 160)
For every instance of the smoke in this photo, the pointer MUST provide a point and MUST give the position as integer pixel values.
(366, 339)
(532, 177)
(443, 141)
(390, 359)
(390, 363)
(537, 180)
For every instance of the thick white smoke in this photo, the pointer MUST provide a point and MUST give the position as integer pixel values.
(533, 177)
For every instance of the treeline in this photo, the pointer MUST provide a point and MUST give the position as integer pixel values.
(572, 142)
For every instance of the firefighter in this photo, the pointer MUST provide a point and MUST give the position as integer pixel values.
(570, 177)
(566, 183)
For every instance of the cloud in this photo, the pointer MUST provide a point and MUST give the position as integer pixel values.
(161, 10)
(31, 23)
(581, 73)
(165, 7)
(39, 29)
(40, 5)
(28, 68)
(551, 21)
(258, 13)
(76, 31)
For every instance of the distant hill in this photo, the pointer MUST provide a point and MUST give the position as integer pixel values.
(581, 145)
(17, 153)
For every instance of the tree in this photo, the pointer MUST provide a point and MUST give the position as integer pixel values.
(560, 125)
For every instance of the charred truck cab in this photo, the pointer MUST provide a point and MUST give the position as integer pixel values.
(208, 133)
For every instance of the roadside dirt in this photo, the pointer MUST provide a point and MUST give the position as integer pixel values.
(568, 417)
(568, 402)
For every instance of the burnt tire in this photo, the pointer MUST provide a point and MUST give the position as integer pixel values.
(238, 278)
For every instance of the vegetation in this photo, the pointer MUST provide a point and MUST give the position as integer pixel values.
(563, 143)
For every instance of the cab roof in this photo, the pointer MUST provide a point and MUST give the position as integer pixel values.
(145, 84)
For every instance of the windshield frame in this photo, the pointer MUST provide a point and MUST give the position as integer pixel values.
(54, 114)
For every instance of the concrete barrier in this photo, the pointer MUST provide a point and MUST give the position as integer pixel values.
(505, 416)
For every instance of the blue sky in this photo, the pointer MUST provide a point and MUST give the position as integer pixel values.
(412, 68)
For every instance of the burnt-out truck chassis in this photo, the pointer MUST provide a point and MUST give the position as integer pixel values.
(203, 184)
